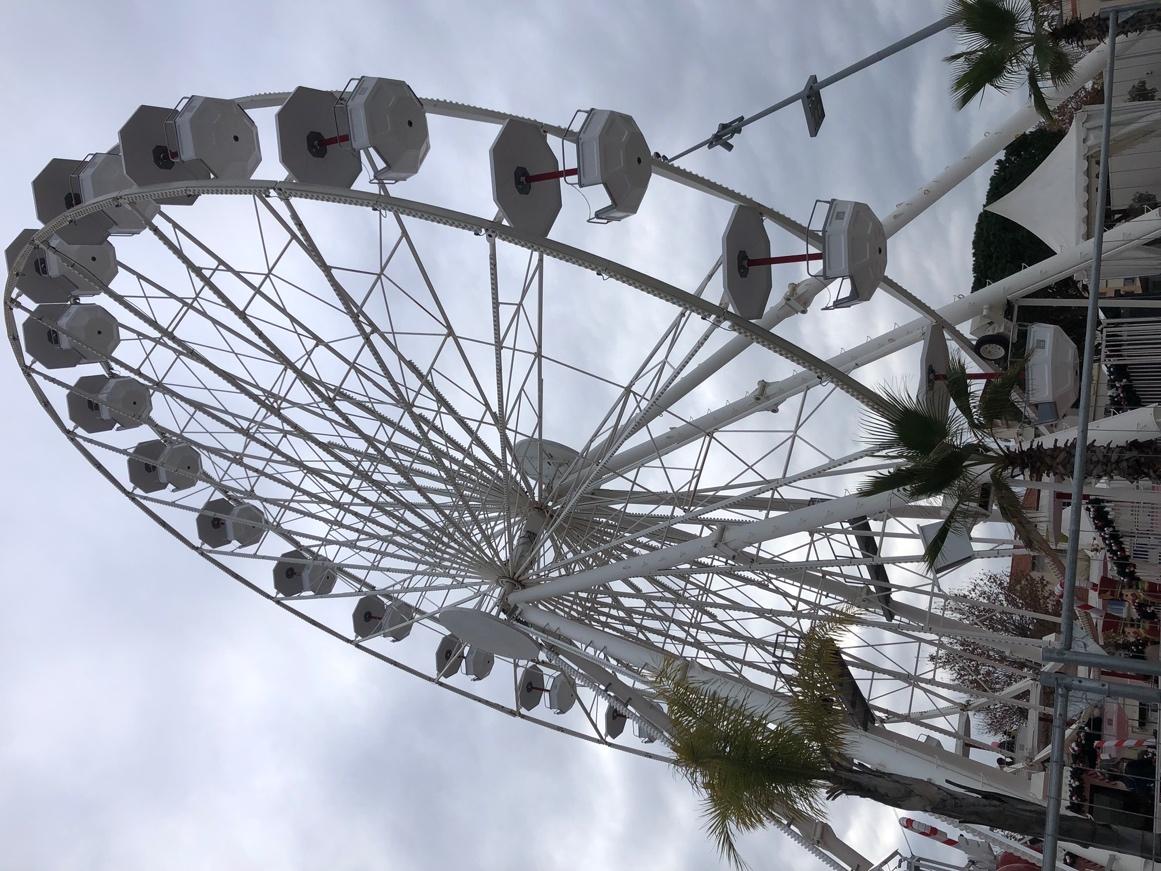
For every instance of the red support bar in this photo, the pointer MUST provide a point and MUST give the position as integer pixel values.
(335, 140)
(788, 258)
(549, 176)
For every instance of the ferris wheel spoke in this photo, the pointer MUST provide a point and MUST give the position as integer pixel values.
(464, 358)
(697, 514)
(321, 394)
(223, 416)
(359, 319)
(592, 457)
(703, 602)
(300, 328)
(589, 462)
(506, 459)
(251, 436)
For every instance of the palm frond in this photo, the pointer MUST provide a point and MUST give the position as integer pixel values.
(959, 519)
(1003, 42)
(1036, 93)
(995, 405)
(984, 22)
(1052, 60)
(900, 478)
(815, 710)
(943, 470)
(908, 426)
(747, 770)
(1013, 511)
(959, 388)
(989, 67)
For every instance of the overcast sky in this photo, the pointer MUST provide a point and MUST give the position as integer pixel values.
(153, 713)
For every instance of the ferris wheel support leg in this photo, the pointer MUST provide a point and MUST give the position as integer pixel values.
(729, 541)
(881, 749)
(769, 395)
(800, 297)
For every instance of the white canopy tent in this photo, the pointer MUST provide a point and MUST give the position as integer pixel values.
(1053, 202)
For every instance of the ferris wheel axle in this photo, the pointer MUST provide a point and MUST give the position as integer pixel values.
(524, 180)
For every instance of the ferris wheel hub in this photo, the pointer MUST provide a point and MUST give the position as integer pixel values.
(543, 460)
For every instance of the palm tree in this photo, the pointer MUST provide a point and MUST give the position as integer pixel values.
(954, 452)
(1006, 42)
(753, 770)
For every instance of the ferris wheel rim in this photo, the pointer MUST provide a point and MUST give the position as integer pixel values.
(824, 371)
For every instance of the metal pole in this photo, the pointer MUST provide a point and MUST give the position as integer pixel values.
(906, 42)
(729, 129)
(1100, 660)
(1101, 688)
(1067, 612)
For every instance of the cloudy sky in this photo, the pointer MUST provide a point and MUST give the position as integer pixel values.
(154, 714)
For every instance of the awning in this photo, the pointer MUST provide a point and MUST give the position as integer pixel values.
(1053, 201)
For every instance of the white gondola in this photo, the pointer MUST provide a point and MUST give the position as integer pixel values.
(55, 190)
(222, 522)
(854, 247)
(385, 116)
(478, 663)
(297, 573)
(149, 155)
(98, 403)
(615, 720)
(104, 174)
(313, 139)
(530, 687)
(561, 694)
(220, 134)
(32, 279)
(612, 152)
(449, 656)
(155, 465)
(60, 336)
(745, 239)
(1052, 374)
(88, 268)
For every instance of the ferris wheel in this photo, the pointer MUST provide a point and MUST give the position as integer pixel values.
(456, 427)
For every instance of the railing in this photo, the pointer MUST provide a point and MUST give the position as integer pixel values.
(1131, 362)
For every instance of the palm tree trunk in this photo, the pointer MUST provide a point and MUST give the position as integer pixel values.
(986, 809)
(1132, 461)
(1094, 28)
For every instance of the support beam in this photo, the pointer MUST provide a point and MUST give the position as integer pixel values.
(730, 540)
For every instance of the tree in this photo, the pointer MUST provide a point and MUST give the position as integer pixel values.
(752, 767)
(977, 666)
(1005, 42)
(954, 452)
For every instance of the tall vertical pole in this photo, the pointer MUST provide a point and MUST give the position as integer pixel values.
(1067, 611)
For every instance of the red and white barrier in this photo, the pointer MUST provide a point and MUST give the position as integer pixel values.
(1122, 743)
(928, 831)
